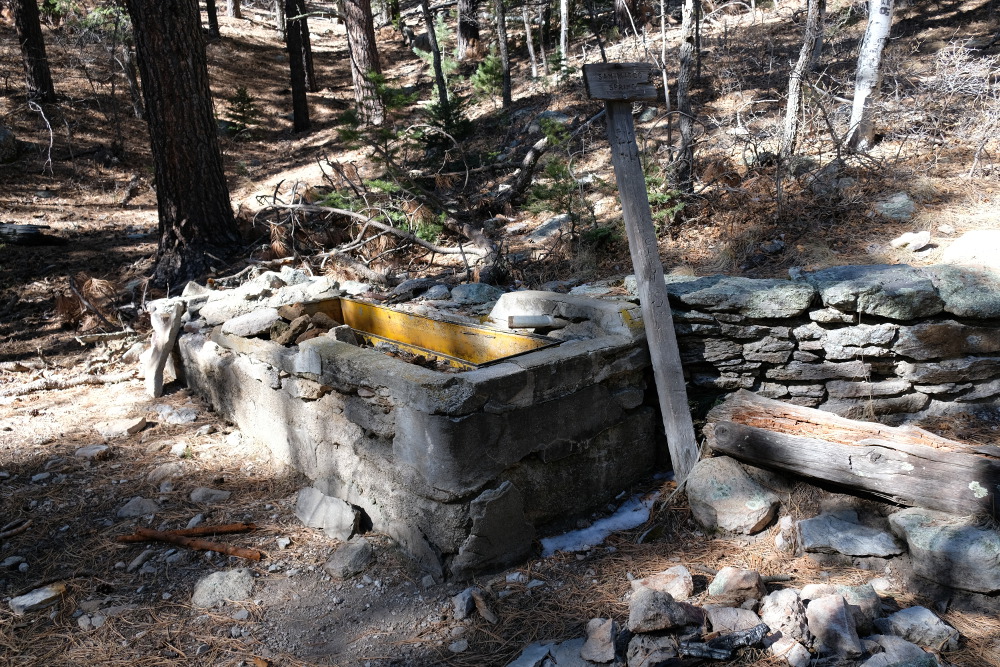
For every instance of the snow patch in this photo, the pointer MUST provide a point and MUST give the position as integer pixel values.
(632, 513)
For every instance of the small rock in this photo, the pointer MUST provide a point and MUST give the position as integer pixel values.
(23, 567)
(436, 293)
(534, 655)
(180, 416)
(428, 581)
(737, 584)
(40, 598)
(41, 477)
(651, 610)
(784, 613)
(517, 578)
(336, 518)
(241, 615)
(10, 562)
(255, 323)
(831, 623)
(921, 626)
(207, 429)
(195, 520)
(677, 581)
(897, 652)
(794, 653)
(137, 507)
(221, 586)
(165, 471)
(179, 449)
(898, 206)
(601, 636)
(552, 227)
(464, 604)
(283, 542)
(862, 602)
(84, 622)
(93, 452)
(475, 293)
(120, 428)
(140, 560)
(912, 241)
(459, 646)
(345, 334)
(350, 559)
(98, 621)
(208, 496)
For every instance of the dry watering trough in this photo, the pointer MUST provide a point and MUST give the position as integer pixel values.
(460, 459)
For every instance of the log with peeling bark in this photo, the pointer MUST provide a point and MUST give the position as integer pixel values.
(906, 465)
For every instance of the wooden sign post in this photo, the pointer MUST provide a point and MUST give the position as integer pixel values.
(620, 84)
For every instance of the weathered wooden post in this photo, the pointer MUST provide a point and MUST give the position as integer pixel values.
(620, 84)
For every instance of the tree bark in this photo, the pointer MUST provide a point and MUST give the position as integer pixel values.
(195, 215)
(529, 41)
(685, 72)
(869, 74)
(364, 60)
(564, 31)
(468, 28)
(213, 18)
(307, 56)
(37, 75)
(541, 38)
(813, 30)
(504, 56)
(129, 68)
(297, 68)
(234, 9)
(906, 465)
(279, 17)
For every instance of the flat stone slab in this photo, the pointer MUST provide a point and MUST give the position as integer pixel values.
(968, 291)
(93, 452)
(948, 339)
(920, 626)
(950, 550)
(254, 323)
(317, 510)
(120, 428)
(206, 495)
(831, 534)
(723, 496)
(750, 297)
(898, 292)
(676, 580)
(40, 598)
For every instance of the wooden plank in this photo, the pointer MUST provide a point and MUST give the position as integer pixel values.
(623, 82)
(657, 318)
(906, 465)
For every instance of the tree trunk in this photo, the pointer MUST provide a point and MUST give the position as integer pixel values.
(29, 35)
(685, 71)
(128, 66)
(869, 73)
(504, 56)
(813, 29)
(297, 67)
(196, 218)
(364, 60)
(234, 9)
(906, 465)
(279, 17)
(213, 18)
(818, 47)
(468, 28)
(442, 85)
(626, 17)
(541, 39)
(564, 31)
(529, 41)
(307, 55)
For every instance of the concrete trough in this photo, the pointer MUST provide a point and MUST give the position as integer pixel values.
(463, 467)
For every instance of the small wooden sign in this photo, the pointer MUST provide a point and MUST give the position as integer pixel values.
(622, 82)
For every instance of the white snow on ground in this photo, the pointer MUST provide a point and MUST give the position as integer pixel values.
(632, 513)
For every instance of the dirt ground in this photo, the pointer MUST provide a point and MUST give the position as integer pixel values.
(73, 180)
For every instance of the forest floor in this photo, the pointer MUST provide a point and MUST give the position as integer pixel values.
(86, 175)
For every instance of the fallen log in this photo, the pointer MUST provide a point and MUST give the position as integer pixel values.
(906, 465)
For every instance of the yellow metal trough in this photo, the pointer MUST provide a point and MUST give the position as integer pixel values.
(464, 346)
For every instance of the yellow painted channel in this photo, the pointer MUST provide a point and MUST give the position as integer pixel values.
(461, 345)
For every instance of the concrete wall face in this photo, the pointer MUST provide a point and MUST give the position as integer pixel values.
(454, 464)
(460, 468)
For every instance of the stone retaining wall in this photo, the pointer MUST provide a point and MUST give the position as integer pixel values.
(858, 341)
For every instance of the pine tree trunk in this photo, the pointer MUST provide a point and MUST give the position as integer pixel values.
(813, 29)
(307, 55)
(296, 63)
(29, 35)
(279, 17)
(196, 218)
(442, 85)
(213, 18)
(818, 47)
(625, 16)
(468, 28)
(364, 59)
(128, 66)
(504, 56)
(685, 71)
(529, 41)
(541, 39)
(234, 9)
(869, 73)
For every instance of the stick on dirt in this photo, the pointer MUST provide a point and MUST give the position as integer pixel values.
(197, 531)
(199, 544)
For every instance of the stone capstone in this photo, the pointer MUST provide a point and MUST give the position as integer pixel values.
(222, 586)
(963, 369)
(954, 552)
(724, 497)
(897, 292)
(969, 291)
(756, 298)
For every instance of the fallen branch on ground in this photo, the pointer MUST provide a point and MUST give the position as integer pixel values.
(197, 531)
(198, 544)
(15, 527)
(46, 384)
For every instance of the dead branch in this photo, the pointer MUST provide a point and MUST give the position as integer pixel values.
(197, 531)
(46, 384)
(15, 527)
(199, 544)
(89, 306)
